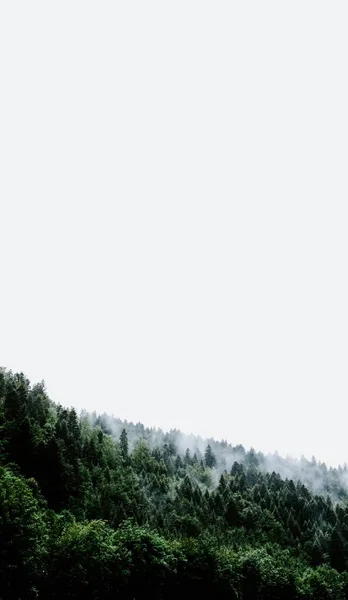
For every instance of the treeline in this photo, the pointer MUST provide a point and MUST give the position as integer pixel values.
(85, 515)
(314, 474)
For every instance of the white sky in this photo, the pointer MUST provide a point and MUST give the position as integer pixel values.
(173, 189)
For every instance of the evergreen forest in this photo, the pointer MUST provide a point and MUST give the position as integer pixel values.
(97, 508)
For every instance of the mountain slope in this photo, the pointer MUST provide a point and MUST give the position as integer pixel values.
(94, 506)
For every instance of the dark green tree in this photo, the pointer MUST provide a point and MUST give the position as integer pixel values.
(124, 444)
(209, 457)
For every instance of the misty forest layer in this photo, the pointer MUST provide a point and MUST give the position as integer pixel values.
(96, 508)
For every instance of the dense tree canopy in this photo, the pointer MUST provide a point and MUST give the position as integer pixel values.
(94, 507)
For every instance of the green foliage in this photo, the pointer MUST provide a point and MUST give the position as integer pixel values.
(322, 583)
(93, 507)
(23, 535)
(85, 561)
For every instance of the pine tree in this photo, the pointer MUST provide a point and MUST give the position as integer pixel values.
(124, 444)
(187, 457)
(209, 457)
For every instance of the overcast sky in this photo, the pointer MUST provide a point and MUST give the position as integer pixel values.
(174, 235)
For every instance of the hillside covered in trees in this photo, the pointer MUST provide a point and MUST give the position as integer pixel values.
(96, 508)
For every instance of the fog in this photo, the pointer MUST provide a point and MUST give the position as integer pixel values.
(316, 475)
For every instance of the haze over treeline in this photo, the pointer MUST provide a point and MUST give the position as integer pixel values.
(96, 507)
(313, 473)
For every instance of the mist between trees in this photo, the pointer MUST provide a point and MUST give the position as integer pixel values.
(95, 507)
(314, 474)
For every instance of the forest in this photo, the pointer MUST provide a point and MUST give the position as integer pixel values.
(97, 508)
